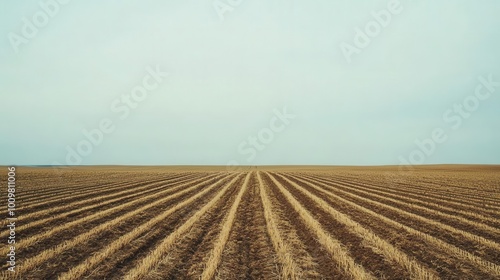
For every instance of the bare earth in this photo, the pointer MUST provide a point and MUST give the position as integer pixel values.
(273, 222)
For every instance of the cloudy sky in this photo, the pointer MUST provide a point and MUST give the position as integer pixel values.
(249, 82)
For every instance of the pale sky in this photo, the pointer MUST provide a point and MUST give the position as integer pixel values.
(230, 71)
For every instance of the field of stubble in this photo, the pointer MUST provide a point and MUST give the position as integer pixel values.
(436, 222)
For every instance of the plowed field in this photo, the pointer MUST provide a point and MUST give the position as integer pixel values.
(435, 222)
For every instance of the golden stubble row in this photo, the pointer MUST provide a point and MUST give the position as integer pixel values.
(467, 235)
(289, 268)
(90, 205)
(149, 263)
(47, 254)
(482, 264)
(428, 196)
(216, 253)
(334, 247)
(391, 253)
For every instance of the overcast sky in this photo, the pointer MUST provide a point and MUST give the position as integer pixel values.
(236, 72)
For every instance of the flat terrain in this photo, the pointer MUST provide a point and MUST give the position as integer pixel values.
(276, 222)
